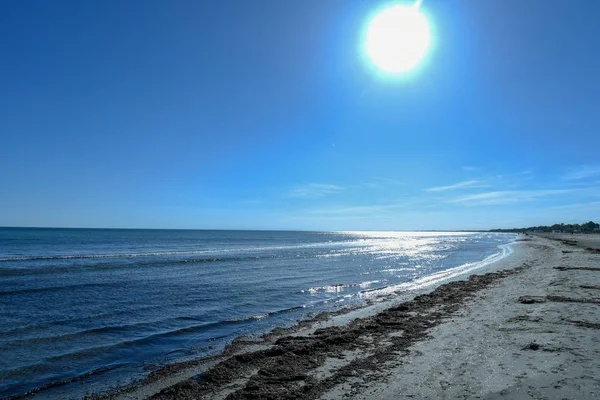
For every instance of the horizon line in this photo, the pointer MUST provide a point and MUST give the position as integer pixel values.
(254, 230)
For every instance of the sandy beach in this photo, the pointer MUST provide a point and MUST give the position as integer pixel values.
(524, 327)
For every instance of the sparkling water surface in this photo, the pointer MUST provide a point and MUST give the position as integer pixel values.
(102, 306)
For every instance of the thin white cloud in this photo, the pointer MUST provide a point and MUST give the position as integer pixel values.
(459, 185)
(582, 172)
(506, 196)
(314, 190)
(526, 172)
(381, 183)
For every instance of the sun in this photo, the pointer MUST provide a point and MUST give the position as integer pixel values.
(397, 38)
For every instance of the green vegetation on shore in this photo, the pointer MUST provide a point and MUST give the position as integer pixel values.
(588, 227)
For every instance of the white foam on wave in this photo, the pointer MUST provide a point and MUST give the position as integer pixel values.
(438, 277)
(340, 287)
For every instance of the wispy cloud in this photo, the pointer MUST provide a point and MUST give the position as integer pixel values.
(506, 196)
(381, 183)
(314, 190)
(582, 172)
(459, 185)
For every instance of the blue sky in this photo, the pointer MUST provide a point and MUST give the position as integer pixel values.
(264, 115)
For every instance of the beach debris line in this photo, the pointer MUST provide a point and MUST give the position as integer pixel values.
(557, 299)
(532, 299)
(577, 268)
(285, 370)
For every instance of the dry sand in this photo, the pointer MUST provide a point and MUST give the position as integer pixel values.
(529, 329)
(506, 345)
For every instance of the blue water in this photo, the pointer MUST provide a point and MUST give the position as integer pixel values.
(99, 305)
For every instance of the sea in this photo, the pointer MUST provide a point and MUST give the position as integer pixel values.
(83, 311)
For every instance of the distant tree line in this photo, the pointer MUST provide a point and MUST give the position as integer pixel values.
(588, 227)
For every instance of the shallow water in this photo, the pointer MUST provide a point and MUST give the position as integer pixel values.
(100, 305)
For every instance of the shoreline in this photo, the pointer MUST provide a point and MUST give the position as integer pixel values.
(173, 375)
(527, 330)
(532, 335)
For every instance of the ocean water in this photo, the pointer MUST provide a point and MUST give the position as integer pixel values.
(102, 306)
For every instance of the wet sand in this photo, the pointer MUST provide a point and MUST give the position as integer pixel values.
(527, 329)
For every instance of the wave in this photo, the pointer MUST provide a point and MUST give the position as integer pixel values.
(59, 288)
(437, 277)
(404, 269)
(132, 327)
(359, 243)
(94, 331)
(418, 283)
(104, 266)
(263, 316)
(221, 257)
(69, 321)
(339, 287)
(163, 335)
(50, 385)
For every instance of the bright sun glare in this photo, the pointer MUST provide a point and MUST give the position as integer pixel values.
(397, 38)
